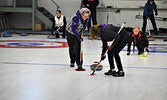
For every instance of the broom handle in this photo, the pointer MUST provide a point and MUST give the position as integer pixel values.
(121, 27)
(81, 52)
(148, 26)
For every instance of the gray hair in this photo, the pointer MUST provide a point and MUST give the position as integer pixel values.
(84, 10)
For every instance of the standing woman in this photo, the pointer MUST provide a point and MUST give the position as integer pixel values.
(107, 34)
(74, 31)
(91, 5)
(148, 13)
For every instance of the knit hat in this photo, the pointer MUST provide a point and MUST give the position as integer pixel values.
(84, 10)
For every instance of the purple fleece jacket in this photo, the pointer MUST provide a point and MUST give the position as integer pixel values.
(75, 23)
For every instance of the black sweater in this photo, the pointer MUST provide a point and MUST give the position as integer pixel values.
(137, 40)
(110, 33)
(92, 3)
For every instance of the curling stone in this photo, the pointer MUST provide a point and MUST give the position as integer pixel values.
(99, 67)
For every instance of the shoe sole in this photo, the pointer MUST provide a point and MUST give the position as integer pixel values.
(80, 70)
(118, 76)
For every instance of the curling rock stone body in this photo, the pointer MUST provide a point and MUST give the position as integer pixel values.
(99, 67)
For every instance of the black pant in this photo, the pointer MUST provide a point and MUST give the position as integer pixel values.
(74, 48)
(140, 47)
(93, 17)
(152, 21)
(62, 29)
(114, 53)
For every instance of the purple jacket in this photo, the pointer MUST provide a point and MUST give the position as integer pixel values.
(77, 25)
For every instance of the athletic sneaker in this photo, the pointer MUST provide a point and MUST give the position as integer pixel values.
(72, 65)
(110, 72)
(119, 74)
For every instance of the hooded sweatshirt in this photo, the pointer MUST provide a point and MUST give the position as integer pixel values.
(148, 9)
(77, 25)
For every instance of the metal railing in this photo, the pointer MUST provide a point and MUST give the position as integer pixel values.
(56, 4)
(81, 4)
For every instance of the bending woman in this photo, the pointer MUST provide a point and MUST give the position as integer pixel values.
(107, 34)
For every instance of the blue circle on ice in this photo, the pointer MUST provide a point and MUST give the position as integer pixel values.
(25, 44)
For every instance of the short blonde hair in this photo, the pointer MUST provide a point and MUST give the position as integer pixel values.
(136, 27)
